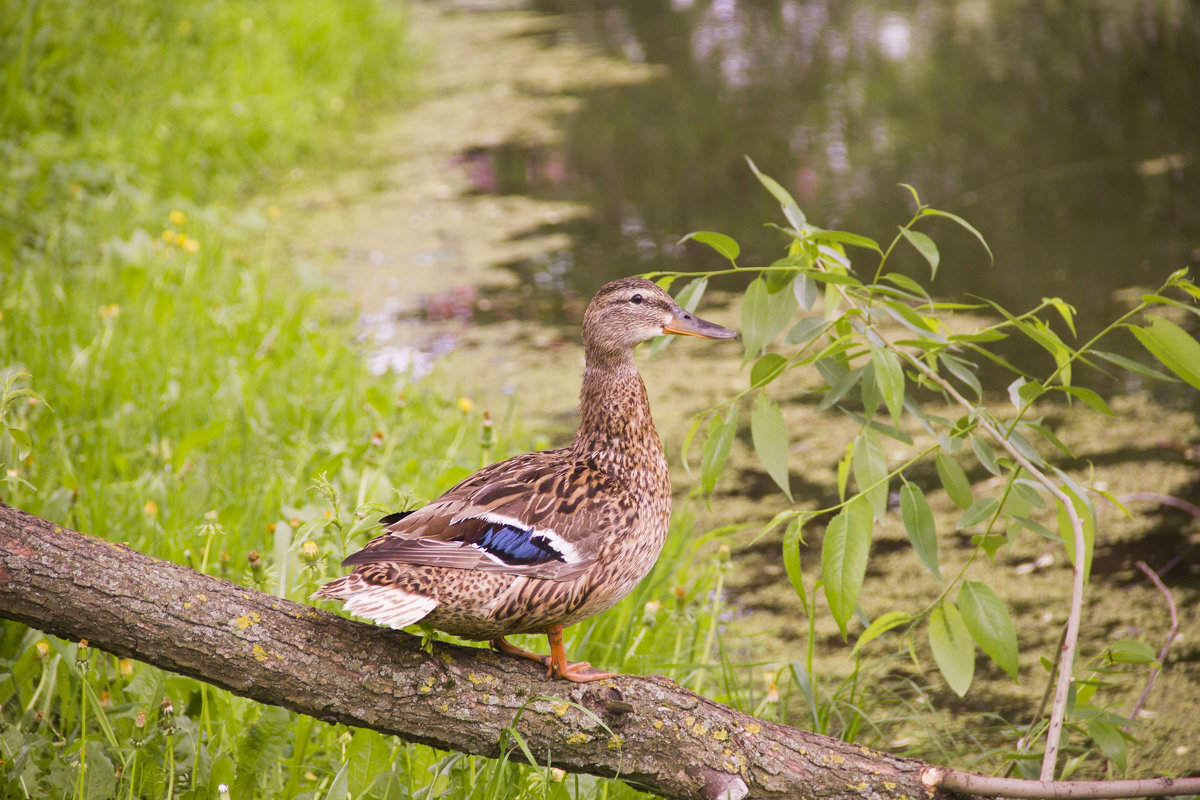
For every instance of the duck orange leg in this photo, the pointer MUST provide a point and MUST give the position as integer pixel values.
(579, 671)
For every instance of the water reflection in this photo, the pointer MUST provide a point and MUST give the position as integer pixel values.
(1068, 133)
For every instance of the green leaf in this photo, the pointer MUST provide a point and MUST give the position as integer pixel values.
(953, 649)
(889, 379)
(1173, 346)
(259, 750)
(954, 480)
(880, 626)
(1108, 738)
(770, 441)
(806, 291)
(754, 319)
(1132, 366)
(22, 441)
(979, 511)
(795, 216)
(369, 755)
(1130, 651)
(852, 239)
(339, 788)
(928, 212)
(870, 471)
(926, 247)
(905, 282)
(1066, 311)
(989, 623)
(717, 445)
(725, 245)
(1088, 396)
(1030, 492)
(984, 453)
(805, 329)
(844, 559)
(1084, 512)
(964, 371)
(793, 537)
(767, 369)
(919, 524)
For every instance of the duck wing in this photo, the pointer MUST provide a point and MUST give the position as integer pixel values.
(541, 515)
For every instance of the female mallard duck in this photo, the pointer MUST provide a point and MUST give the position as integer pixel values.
(542, 540)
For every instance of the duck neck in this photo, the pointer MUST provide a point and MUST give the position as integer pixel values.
(615, 423)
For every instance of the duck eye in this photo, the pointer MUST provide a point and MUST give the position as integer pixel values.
(636, 299)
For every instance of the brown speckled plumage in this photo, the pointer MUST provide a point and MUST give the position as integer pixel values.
(542, 540)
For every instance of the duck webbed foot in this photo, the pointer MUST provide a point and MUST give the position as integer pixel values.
(577, 671)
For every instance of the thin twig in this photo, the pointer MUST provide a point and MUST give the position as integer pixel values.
(969, 783)
(1162, 654)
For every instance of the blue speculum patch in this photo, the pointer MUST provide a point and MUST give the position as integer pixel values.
(517, 546)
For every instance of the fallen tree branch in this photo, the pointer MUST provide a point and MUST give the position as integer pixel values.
(647, 731)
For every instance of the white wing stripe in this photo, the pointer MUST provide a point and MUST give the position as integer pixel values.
(568, 551)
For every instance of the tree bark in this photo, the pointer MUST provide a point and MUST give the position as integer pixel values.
(645, 730)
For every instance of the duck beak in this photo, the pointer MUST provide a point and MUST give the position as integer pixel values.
(683, 323)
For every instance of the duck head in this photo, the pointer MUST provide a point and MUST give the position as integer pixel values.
(628, 311)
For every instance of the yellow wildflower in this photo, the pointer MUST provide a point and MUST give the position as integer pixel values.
(177, 218)
(465, 404)
(273, 211)
(309, 551)
(150, 509)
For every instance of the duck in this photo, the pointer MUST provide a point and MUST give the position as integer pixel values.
(544, 540)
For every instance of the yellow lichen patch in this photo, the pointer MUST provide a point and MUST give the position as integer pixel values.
(658, 723)
(246, 620)
(720, 734)
(202, 598)
(478, 679)
(186, 604)
(615, 742)
(260, 655)
(687, 721)
(730, 766)
(753, 727)
(578, 738)
(245, 596)
(699, 729)
(444, 707)
(838, 759)
(889, 785)
(446, 657)
(559, 709)
(426, 687)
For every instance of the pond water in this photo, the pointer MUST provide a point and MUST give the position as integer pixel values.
(1067, 133)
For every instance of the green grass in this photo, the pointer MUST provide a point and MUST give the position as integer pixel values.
(196, 400)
